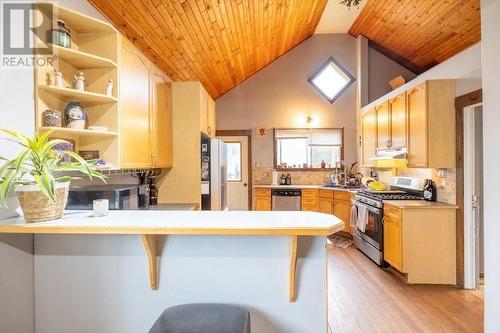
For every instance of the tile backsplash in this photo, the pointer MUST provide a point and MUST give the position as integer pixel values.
(264, 176)
(446, 186)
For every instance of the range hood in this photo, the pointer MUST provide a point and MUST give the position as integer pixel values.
(390, 154)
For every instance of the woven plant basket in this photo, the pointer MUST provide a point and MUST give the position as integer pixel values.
(37, 207)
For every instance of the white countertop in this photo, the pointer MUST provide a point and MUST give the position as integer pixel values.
(319, 187)
(182, 222)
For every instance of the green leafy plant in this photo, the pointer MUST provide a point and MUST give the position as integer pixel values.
(38, 164)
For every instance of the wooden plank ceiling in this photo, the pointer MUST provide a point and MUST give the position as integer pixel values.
(218, 42)
(419, 34)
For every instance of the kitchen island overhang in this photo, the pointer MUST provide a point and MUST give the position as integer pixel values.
(153, 223)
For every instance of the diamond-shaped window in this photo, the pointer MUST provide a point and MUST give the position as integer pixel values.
(331, 80)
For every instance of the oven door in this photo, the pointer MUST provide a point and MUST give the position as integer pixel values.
(374, 229)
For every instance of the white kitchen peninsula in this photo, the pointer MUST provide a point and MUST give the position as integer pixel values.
(98, 275)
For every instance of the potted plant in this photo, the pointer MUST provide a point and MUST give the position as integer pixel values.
(40, 177)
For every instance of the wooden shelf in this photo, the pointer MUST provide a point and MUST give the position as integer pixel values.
(81, 59)
(79, 96)
(82, 23)
(85, 132)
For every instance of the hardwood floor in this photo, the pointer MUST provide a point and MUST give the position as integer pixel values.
(365, 298)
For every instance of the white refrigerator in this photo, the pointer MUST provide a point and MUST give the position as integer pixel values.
(213, 174)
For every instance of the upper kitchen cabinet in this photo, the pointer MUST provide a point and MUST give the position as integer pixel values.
(161, 120)
(431, 124)
(368, 137)
(200, 103)
(383, 125)
(135, 145)
(421, 119)
(398, 123)
(391, 123)
(207, 114)
(145, 112)
(122, 101)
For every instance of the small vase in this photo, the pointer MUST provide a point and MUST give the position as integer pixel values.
(52, 118)
(37, 207)
(75, 116)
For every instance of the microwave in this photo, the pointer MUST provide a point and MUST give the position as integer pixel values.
(120, 197)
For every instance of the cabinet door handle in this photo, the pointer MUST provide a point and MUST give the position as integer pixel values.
(209, 130)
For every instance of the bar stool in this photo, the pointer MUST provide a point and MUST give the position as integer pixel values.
(203, 318)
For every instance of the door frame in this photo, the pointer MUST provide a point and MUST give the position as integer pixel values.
(248, 134)
(461, 103)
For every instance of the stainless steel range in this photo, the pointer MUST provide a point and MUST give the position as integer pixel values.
(370, 204)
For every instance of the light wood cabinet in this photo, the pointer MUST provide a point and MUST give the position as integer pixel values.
(342, 210)
(161, 121)
(421, 119)
(135, 145)
(397, 111)
(262, 204)
(263, 199)
(211, 118)
(207, 114)
(431, 125)
(368, 137)
(145, 112)
(310, 200)
(326, 205)
(383, 125)
(421, 242)
(393, 244)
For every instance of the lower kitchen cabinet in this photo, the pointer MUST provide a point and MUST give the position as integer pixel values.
(326, 205)
(393, 243)
(342, 210)
(421, 242)
(262, 199)
(310, 200)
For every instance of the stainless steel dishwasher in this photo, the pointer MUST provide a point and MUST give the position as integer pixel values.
(286, 199)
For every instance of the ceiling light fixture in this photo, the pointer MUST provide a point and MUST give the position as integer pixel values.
(331, 80)
(351, 3)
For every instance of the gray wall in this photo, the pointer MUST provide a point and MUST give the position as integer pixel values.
(490, 31)
(381, 70)
(100, 284)
(280, 96)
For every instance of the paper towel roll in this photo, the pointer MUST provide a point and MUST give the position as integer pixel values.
(275, 177)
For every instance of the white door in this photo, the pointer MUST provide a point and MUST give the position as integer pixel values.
(236, 172)
(473, 193)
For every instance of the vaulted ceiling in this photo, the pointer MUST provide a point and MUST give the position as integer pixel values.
(218, 42)
(419, 34)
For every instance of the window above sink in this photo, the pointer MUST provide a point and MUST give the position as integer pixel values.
(306, 149)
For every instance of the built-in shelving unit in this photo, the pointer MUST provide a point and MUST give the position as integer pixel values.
(60, 131)
(81, 59)
(93, 52)
(80, 96)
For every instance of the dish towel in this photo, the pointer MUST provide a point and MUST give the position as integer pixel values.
(362, 220)
(353, 221)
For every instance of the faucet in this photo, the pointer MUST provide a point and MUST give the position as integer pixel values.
(339, 165)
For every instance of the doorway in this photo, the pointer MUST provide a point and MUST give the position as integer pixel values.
(469, 183)
(238, 168)
(473, 194)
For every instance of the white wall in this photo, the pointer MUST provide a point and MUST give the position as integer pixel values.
(98, 283)
(17, 111)
(490, 31)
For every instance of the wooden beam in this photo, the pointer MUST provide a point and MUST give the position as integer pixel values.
(293, 267)
(150, 245)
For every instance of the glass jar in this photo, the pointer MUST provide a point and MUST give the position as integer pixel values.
(61, 35)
